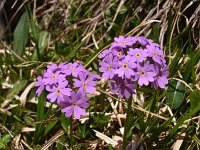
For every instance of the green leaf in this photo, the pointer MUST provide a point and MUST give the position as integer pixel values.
(65, 122)
(21, 34)
(34, 29)
(175, 94)
(194, 98)
(50, 126)
(43, 40)
(18, 86)
(39, 130)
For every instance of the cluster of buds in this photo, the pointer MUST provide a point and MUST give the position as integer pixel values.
(133, 61)
(67, 85)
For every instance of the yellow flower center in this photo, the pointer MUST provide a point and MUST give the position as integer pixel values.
(137, 54)
(142, 73)
(123, 42)
(74, 104)
(58, 91)
(125, 66)
(154, 54)
(84, 84)
(53, 76)
(119, 54)
(110, 67)
(71, 68)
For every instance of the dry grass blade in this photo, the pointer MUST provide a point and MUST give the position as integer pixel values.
(23, 96)
(107, 139)
(52, 140)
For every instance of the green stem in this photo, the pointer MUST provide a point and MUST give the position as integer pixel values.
(126, 124)
(71, 133)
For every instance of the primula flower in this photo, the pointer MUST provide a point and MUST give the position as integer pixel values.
(118, 52)
(123, 42)
(137, 54)
(39, 83)
(126, 67)
(145, 73)
(58, 92)
(86, 83)
(142, 40)
(124, 87)
(161, 77)
(56, 68)
(104, 53)
(75, 105)
(155, 53)
(74, 69)
(53, 78)
(108, 66)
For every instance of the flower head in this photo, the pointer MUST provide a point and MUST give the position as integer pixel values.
(161, 77)
(155, 53)
(58, 92)
(74, 69)
(85, 83)
(137, 54)
(75, 105)
(40, 85)
(126, 68)
(145, 73)
(108, 66)
(53, 78)
(124, 87)
(123, 42)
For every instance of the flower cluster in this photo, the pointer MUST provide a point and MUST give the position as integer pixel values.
(133, 60)
(67, 85)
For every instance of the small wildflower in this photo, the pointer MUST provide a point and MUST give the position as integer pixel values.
(58, 92)
(138, 54)
(53, 78)
(126, 67)
(124, 87)
(75, 105)
(40, 85)
(85, 84)
(123, 42)
(145, 73)
(108, 66)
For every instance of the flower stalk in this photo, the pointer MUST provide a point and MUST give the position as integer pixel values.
(126, 126)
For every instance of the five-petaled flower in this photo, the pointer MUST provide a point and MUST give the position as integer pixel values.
(75, 105)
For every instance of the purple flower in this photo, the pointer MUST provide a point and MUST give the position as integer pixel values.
(124, 87)
(126, 67)
(58, 92)
(142, 40)
(75, 105)
(145, 73)
(74, 69)
(138, 54)
(161, 77)
(123, 42)
(155, 53)
(104, 53)
(53, 78)
(108, 66)
(56, 68)
(86, 83)
(118, 52)
(39, 83)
